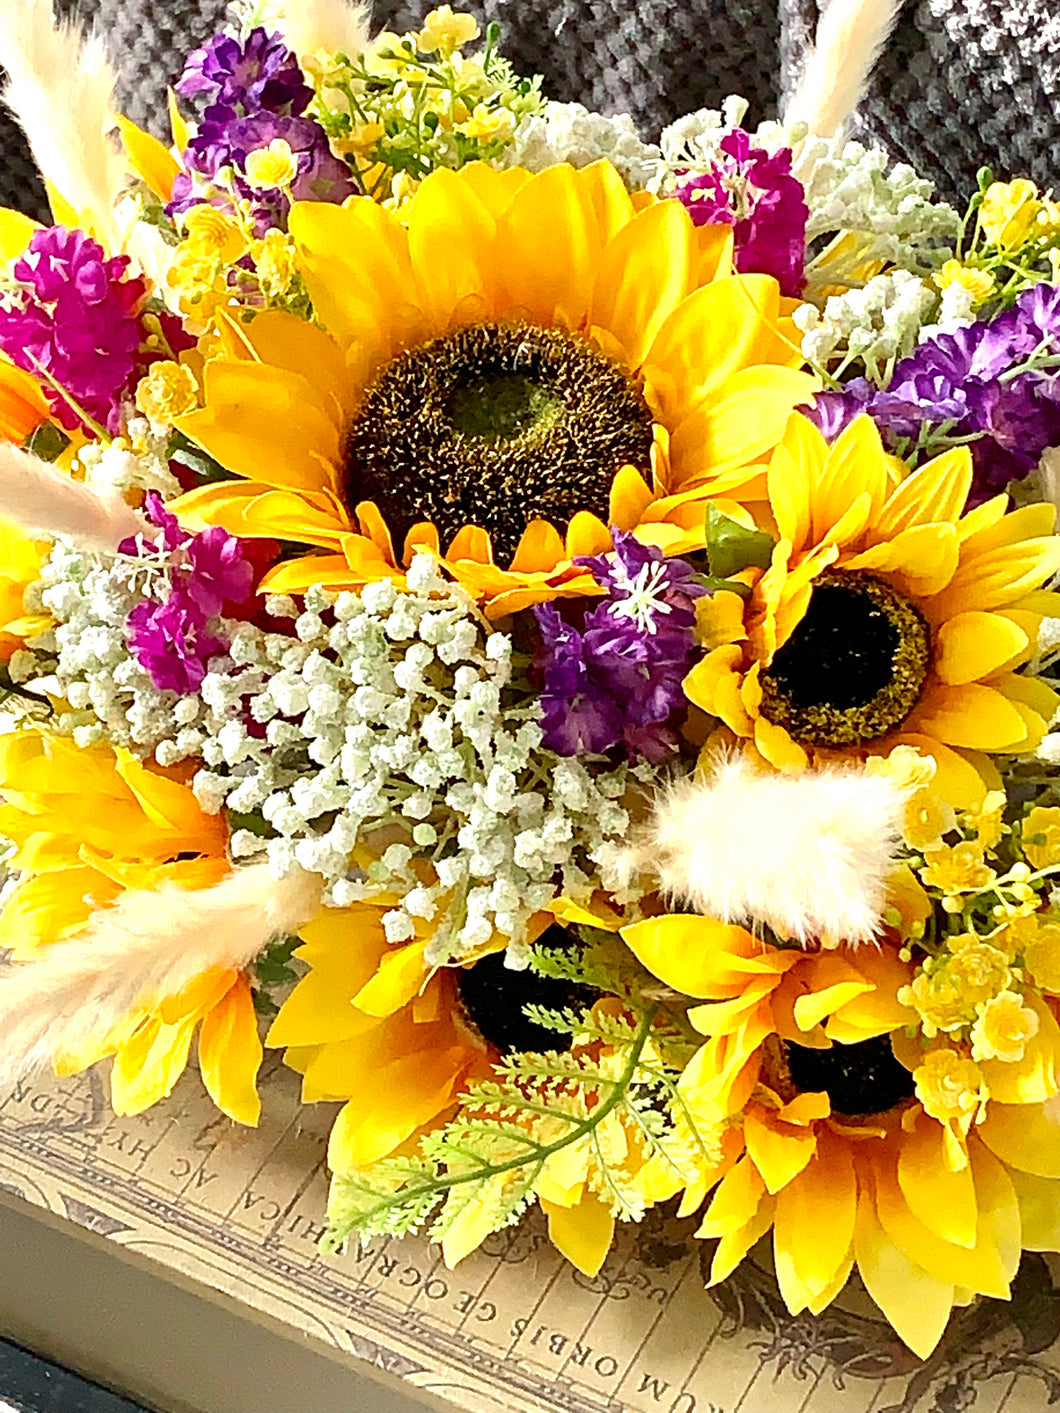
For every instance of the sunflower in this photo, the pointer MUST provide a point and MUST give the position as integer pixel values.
(529, 359)
(858, 1145)
(91, 823)
(371, 1024)
(886, 617)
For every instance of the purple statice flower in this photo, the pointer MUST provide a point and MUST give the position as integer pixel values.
(206, 574)
(321, 175)
(256, 93)
(260, 74)
(617, 679)
(972, 383)
(75, 318)
(755, 192)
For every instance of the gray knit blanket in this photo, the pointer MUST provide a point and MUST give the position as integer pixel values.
(963, 83)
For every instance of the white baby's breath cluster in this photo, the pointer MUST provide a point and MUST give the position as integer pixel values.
(569, 132)
(85, 660)
(876, 212)
(134, 462)
(384, 725)
(876, 324)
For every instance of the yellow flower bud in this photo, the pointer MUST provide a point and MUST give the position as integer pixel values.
(483, 125)
(949, 1085)
(272, 166)
(1003, 1028)
(979, 283)
(443, 31)
(1041, 956)
(976, 970)
(214, 234)
(168, 391)
(1009, 212)
(957, 869)
(1041, 836)
(274, 262)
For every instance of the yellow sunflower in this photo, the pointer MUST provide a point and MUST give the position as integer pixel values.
(887, 616)
(528, 359)
(373, 1025)
(90, 824)
(858, 1146)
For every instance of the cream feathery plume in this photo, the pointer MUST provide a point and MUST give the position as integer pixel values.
(151, 944)
(334, 26)
(46, 501)
(61, 90)
(851, 36)
(807, 856)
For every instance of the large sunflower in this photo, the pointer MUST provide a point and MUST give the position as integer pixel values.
(886, 617)
(858, 1146)
(90, 824)
(529, 359)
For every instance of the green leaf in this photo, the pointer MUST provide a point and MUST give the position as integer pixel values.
(47, 441)
(186, 453)
(731, 547)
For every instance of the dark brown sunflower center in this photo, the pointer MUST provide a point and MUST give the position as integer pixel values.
(853, 667)
(495, 425)
(859, 1079)
(494, 997)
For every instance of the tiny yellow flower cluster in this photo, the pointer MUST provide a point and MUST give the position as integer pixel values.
(168, 391)
(1015, 242)
(984, 988)
(412, 103)
(217, 239)
(1014, 213)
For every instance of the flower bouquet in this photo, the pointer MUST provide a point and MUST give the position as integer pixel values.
(551, 631)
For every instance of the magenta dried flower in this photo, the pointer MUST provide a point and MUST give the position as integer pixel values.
(74, 321)
(755, 192)
(204, 575)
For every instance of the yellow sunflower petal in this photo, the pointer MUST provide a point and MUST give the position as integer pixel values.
(644, 273)
(1025, 1136)
(266, 424)
(149, 1063)
(917, 1304)
(934, 493)
(737, 424)
(230, 1054)
(973, 715)
(352, 258)
(551, 238)
(855, 460)
(694, 955)
(1039, 1207)
(939, 1197)
(401, 976)
(779, 1151)
(813, 1227)
(451, 236)
(583, 1233)
(975, 644)
(724, 326)
(403, 1095)
(152, 162)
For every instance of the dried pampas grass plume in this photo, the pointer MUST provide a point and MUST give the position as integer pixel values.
(46, 501)
(851, 36)
(334, 26)
(807, 856)
(60, 88)
(151, 944)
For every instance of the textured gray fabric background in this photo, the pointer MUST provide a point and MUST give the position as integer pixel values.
(963, 81)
